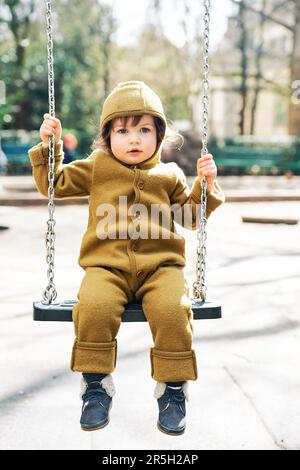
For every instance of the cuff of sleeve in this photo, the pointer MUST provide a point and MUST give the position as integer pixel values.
(215, 197)
(39, 155)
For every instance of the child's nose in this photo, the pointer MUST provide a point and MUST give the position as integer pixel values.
(134, 137)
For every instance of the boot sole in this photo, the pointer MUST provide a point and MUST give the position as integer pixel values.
(95, 428)
(170, 433)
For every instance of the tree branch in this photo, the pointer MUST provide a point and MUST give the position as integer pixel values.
(266, 16)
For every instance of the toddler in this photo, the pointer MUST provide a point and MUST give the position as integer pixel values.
(127, 251)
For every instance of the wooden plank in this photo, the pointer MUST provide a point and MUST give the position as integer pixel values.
(269, 220)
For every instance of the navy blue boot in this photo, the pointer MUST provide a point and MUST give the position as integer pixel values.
(97, 402)
(171, 404)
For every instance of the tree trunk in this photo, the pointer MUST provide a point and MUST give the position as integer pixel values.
(258, 58)
(294, 108)
(244, 66)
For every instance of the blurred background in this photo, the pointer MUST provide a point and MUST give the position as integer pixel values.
(254, 75)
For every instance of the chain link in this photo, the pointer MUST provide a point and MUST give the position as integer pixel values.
(199, 287)
(50, 293)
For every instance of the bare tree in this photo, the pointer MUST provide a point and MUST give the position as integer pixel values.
(153, 15)
(242, 45)
(294, 59)
(107, 28)
(294, 109)
(258, 66)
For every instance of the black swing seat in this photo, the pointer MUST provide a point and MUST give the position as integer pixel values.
(62, 311)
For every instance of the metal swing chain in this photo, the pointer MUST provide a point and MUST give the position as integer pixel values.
(199, 287)
(50, 293)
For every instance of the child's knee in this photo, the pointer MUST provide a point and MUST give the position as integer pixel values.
(96, 322)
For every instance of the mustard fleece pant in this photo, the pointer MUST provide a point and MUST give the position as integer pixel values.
(102, 297)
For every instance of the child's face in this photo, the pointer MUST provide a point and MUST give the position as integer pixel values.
(142, 137)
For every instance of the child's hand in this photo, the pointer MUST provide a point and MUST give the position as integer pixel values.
(207, 167)
(50, 126)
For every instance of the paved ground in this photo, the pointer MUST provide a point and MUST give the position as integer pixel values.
(247, 394)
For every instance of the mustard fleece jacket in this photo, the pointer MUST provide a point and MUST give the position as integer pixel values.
(104, 178)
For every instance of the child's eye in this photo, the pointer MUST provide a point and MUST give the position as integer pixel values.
(144, 129)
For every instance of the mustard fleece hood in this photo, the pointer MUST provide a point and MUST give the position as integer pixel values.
(134, 98)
